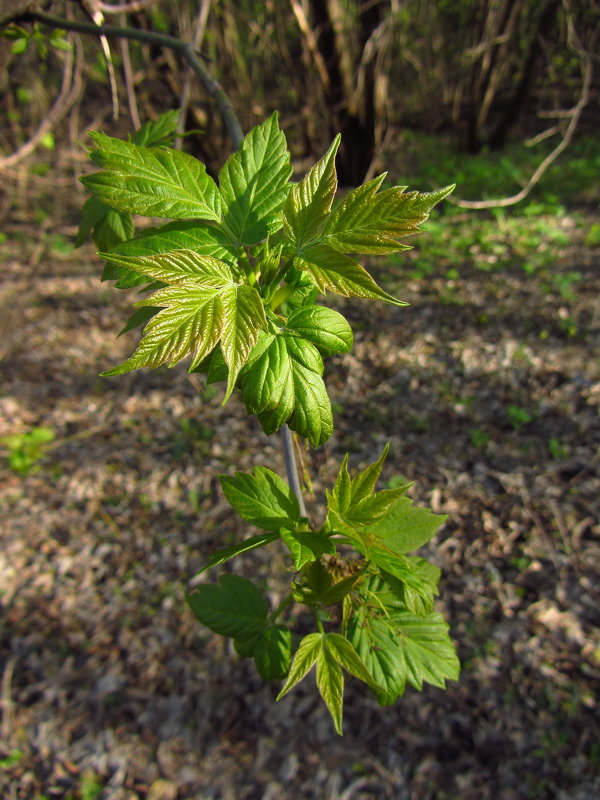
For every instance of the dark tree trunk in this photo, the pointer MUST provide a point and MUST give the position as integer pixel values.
(511, 115)
(356, 124)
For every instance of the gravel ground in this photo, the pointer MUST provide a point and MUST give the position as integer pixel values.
(111, 690)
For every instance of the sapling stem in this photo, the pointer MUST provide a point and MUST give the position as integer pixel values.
(287, 600)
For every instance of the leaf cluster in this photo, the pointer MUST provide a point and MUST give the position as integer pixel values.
(372, 602)
(231, 283)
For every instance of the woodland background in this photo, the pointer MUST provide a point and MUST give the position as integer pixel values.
(487, 387)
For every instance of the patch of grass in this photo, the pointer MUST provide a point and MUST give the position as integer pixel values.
(26, 449)
(13, 759)
(90, 786)
(518, 416)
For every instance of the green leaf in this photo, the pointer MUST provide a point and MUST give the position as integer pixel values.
(262, 498)
(428, 650)
(180, 235)
(330, 682)
(307, 546)
(370, 222)
(177, 268)
(397, 646)
(363, 485)
(223, 555)
(375, 640)
(271, 650)
(415, 583)
(234, 607)
(354, 500)
(159, 132)
(284, 384)
(345, 654)
(335, 272)
(243, 317)
(153, 181)
(254, 184)
(139, 317)
(107, 226)
(306, 655)
(328, 330)
(416, 602)
(406, 527)
(309, 201)
(190, 321)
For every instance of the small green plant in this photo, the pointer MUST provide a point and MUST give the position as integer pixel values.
(90, 786)
(25, 450)
(518, 416)
(232, 284)
(557, 449)
(13, 759)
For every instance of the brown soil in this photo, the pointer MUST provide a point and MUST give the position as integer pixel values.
(110, 688)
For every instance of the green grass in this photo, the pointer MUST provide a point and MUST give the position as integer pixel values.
(572, 179)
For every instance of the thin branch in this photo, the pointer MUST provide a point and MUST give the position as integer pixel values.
(126, 8)
(186, 90)
(129, 79)
(211, 85)
(69, 90)
(575, 115)
(311, 42)
(292, 467)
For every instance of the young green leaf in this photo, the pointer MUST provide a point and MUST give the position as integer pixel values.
(153, 181)
(177, 267)
(330, 682)
(406, 527)
(107, 226)
(306, 655)
(370, 222)
(284, 384)
(327, 329)
(243, 318)
(254, 184)
(415, 602)
(262, 498)
(139, 317)
(190, 321)
(307, 546)
(234, 607)
(225, 553)
(345, 654)
(309, 201)
(335, 272)
(179, 235)
(159, 132)
(397, 646)
(271, 650)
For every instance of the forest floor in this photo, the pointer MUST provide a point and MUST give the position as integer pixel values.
(487, 387)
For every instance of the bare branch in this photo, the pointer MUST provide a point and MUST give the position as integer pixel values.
(586, 64)
(186, 90)
(126, 8)
(69, 91)
(129, 78)
(311, 42)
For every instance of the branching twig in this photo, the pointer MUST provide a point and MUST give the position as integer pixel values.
(126, 8)
(69, 90)
(129, 79)
(211, 85)
(586, 63)
(186, 90)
